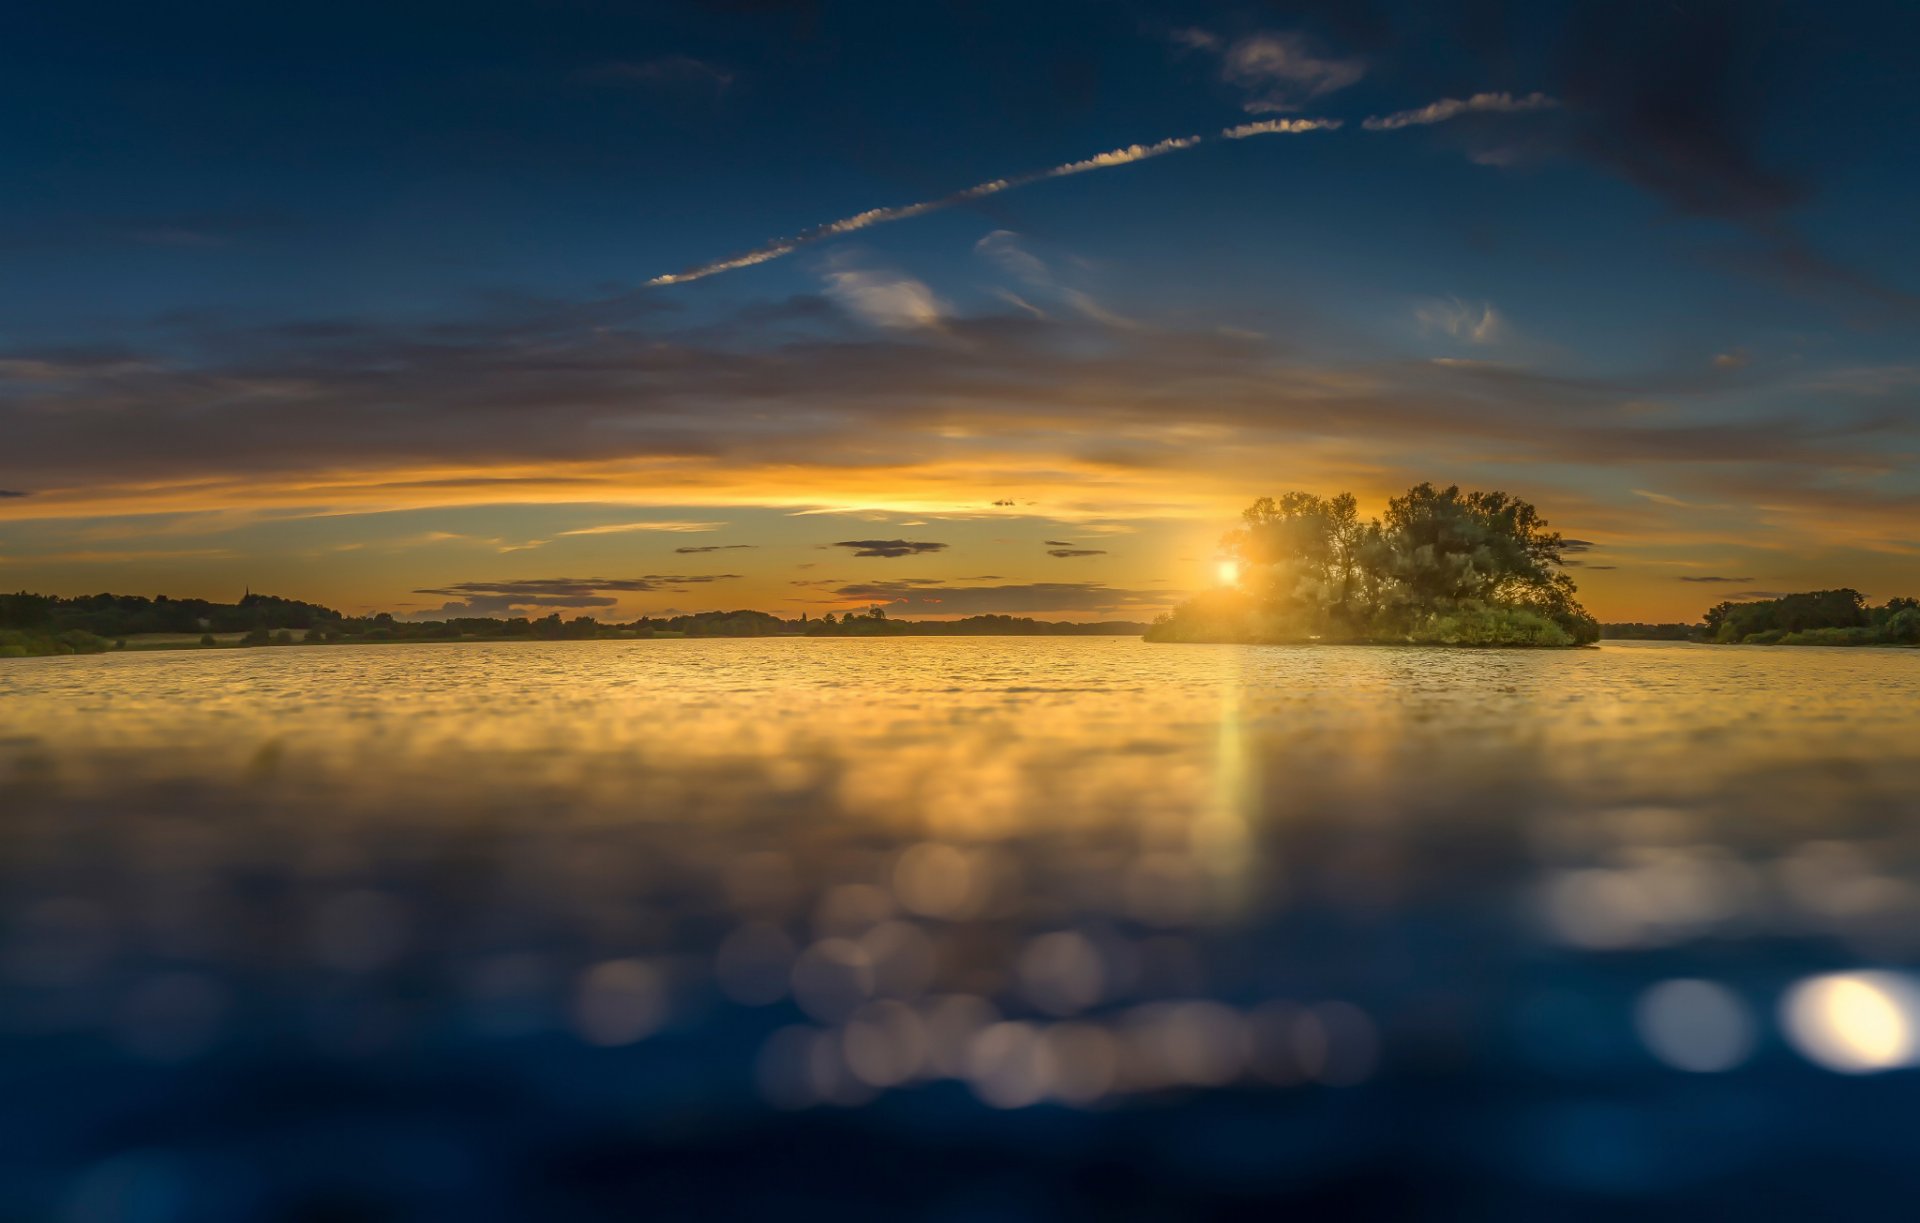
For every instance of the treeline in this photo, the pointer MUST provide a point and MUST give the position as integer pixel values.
(1636, 631)
(33, 624)
(1818, 617)
(1441, 567)
(110, 615)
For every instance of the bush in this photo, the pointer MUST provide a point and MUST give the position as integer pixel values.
(16, 643)
(1486, 626)
(1857, 635)
(207, 639)
(1903, 627)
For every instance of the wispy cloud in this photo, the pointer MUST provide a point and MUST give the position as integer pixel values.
(1065, 553)
(881, 297)
(936, 598)
(890, 547)
(493, 598)
(1688, 577)
(1280, 127)
(1663, 499)
(1476, 323)
(1193, 38)
(622, 528)
(1003, 249)
(120, 557)
(1282, 72)
(780, 247)
(712, 548)
(1453, 108)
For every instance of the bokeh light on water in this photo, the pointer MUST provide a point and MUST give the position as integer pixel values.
(955, 928)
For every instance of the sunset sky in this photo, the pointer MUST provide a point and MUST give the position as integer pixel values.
(958, 307)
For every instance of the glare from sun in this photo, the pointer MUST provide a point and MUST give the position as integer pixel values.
(1229, 573)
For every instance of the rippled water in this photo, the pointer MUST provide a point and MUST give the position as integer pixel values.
(551, 929)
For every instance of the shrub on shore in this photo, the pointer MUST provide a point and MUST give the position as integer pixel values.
(21, 643)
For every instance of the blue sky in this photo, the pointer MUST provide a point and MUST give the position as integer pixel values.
(351, 302)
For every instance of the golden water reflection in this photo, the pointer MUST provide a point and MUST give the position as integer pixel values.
(1081, 874)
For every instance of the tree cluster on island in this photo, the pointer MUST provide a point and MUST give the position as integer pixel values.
(1819, 617)
(1440, 567)
(1814, 617)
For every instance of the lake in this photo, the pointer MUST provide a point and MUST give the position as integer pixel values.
(954, 928)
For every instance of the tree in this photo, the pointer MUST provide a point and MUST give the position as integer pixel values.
(1441, 565)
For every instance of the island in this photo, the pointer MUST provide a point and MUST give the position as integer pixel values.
(1441, 567)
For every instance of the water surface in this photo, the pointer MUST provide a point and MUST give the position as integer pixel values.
(552, 928)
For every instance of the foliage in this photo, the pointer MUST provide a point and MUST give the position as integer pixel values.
(1484, 625)
(21, 643)
(1441, 565)
(1636, 631)
(111, 615)
(1818, 617)
(37, 624)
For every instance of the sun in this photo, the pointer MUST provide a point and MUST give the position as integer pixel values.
(1229, 572)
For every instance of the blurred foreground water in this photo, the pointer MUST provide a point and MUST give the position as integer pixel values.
(958, 929)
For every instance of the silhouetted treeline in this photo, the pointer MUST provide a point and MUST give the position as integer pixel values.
(875, 622)
(46, 624)
(1637, 631)
(1441, 567)
(109, 615)
(1818, 617)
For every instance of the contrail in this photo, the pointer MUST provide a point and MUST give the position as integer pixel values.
(1453, 108)
(882, 216)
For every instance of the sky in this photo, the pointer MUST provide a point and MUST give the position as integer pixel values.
(948, 307)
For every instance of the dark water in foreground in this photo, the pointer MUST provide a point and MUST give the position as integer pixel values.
(958, 929)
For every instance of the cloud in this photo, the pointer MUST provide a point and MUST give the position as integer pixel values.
(1729, 360)
(1012, 599)
(1004, 501)
(125, 555)
(1282, 72)
(10, 492)
(890, 547)
(713, 548)
(1453, 108)
(1477, 324)
(881, 216)
(622, 528)
(1193, 38)
(494, 598)
(1674, 98)
(1280, 127)
(1577, 545)
(1002, 248)
(1688, 577)
(883, 298)
(781, 247)
(1058, 543)
(666, 72)
(1663, 499)
(1067, 552)
(1793, 264)
(612, 402)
